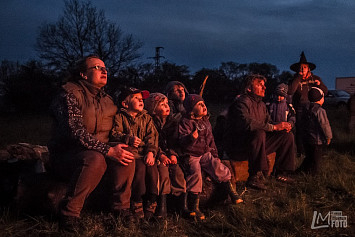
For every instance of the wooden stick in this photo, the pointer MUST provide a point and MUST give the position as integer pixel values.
(202, 88)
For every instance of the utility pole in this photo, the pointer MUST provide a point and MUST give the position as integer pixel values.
(157, 58)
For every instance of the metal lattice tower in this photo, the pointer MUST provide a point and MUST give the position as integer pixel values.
(157, 58)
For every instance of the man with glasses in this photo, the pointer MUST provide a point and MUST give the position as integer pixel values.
(80, 153)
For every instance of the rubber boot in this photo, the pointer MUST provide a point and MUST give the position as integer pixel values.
(194, 205)
(235, 198)
(218, 195)
(161, 211)
(184, 210)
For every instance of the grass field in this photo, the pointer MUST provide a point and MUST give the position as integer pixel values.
(283, 210)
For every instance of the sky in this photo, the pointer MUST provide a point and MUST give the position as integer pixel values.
(205, 33)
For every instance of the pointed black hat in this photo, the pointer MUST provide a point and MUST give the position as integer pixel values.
(296, 66)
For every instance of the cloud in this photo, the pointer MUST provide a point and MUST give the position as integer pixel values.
(204, 33)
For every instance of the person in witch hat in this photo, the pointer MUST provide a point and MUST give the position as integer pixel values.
(298, 88)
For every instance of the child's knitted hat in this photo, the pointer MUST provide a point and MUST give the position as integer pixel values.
(281, 90)
(190, 101)
(151, 103)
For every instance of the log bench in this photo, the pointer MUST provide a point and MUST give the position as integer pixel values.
(239, 169)
(26, 185)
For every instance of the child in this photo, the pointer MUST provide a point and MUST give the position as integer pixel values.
(167, 127)
(279, 109)
(176, 93)
(316, 131)
(134, 127)
(197, 142)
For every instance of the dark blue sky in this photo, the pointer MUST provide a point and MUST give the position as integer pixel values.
(204, 33)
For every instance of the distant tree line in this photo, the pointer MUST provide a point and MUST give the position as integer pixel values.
(29, 87)
(83, 30)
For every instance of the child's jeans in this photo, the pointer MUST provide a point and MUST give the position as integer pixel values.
(211, 165)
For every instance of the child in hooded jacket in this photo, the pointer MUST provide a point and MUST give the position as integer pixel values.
(280, 110)
(316, 131)
(197, 142)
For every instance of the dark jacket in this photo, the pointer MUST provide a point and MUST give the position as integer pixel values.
(168, 135)
(83, 118)
(205, 141)
(299, 88)
(176, 106)
(316, 127)
(281, 111)
(141, 126)
(246, 114)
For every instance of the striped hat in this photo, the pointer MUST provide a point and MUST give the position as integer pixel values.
(281, 90)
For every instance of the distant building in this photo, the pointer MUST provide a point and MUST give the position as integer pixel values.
(345, 83)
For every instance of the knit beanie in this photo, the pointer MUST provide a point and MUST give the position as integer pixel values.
(315, 94)
(190, 101)
(281, 90)
(151, 103)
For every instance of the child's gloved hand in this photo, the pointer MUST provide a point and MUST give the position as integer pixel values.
(173, 160)
(149, 159)
(135, 141)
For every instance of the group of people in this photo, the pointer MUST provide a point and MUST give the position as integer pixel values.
(155, 146)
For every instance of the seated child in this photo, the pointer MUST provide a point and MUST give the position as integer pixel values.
(280, 110)
(134, 127)
(316, 131)
(197, 142)
(167, 126)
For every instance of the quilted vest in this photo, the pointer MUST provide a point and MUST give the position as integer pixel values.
(96, 106)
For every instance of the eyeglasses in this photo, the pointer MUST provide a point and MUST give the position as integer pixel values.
(97, 67)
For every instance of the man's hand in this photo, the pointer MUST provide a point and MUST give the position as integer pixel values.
(135, 141)
(165, 160)
(149, 159)
(283, 126)
(117, 153)
(173, 160)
